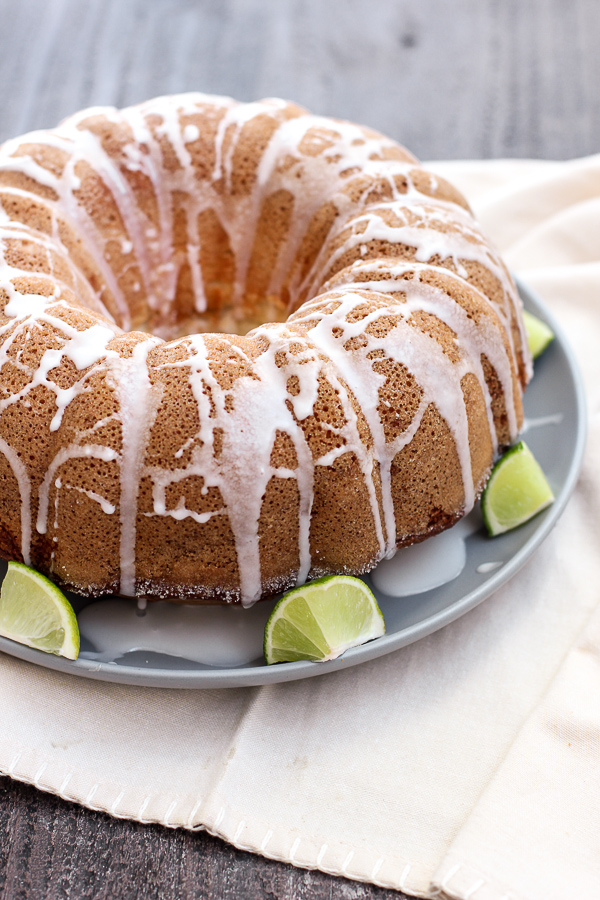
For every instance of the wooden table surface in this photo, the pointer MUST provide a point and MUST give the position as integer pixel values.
(467, 79)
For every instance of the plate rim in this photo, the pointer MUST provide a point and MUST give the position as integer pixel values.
(253, 676)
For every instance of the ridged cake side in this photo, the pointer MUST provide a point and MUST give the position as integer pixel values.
(140, 454)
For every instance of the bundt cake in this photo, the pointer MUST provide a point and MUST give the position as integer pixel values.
(156, 439)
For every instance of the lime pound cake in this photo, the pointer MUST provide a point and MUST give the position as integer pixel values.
(242, 346)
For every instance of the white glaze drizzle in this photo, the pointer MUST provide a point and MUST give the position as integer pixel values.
(138, 405)
(24, 484)
(422, 356)
(88, 451)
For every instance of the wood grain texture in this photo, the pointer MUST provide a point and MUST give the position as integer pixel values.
(51, 849)
(471, 78)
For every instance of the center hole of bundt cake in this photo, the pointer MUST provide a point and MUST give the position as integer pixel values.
(231, 319)
(216, 284)
(229, 279)
(222, 314)
(230, 282)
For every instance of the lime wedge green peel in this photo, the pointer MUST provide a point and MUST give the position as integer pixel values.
(321, 620)
(516, 491)
(33, 611)
(539, 335)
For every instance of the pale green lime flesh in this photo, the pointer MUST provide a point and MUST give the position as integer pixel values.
(516, 491)
(33, 611)
(539, 335)
(321, 620)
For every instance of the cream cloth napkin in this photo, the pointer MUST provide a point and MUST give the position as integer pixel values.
(465, 765)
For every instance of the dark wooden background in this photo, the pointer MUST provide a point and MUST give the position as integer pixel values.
(460, 79)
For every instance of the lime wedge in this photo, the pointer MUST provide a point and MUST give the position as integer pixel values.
(33, 611)
(517, 489)
(322, 620)
(539, 335)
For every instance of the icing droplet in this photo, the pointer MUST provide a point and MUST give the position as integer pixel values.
(485, 568)
(541, 422)
(191, 133)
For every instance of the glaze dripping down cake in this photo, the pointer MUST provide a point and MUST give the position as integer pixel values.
(156, 438)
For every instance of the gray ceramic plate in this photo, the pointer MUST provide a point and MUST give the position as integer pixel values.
(555, 391)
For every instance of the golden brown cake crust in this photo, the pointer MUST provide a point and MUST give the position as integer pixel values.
(156, 439)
